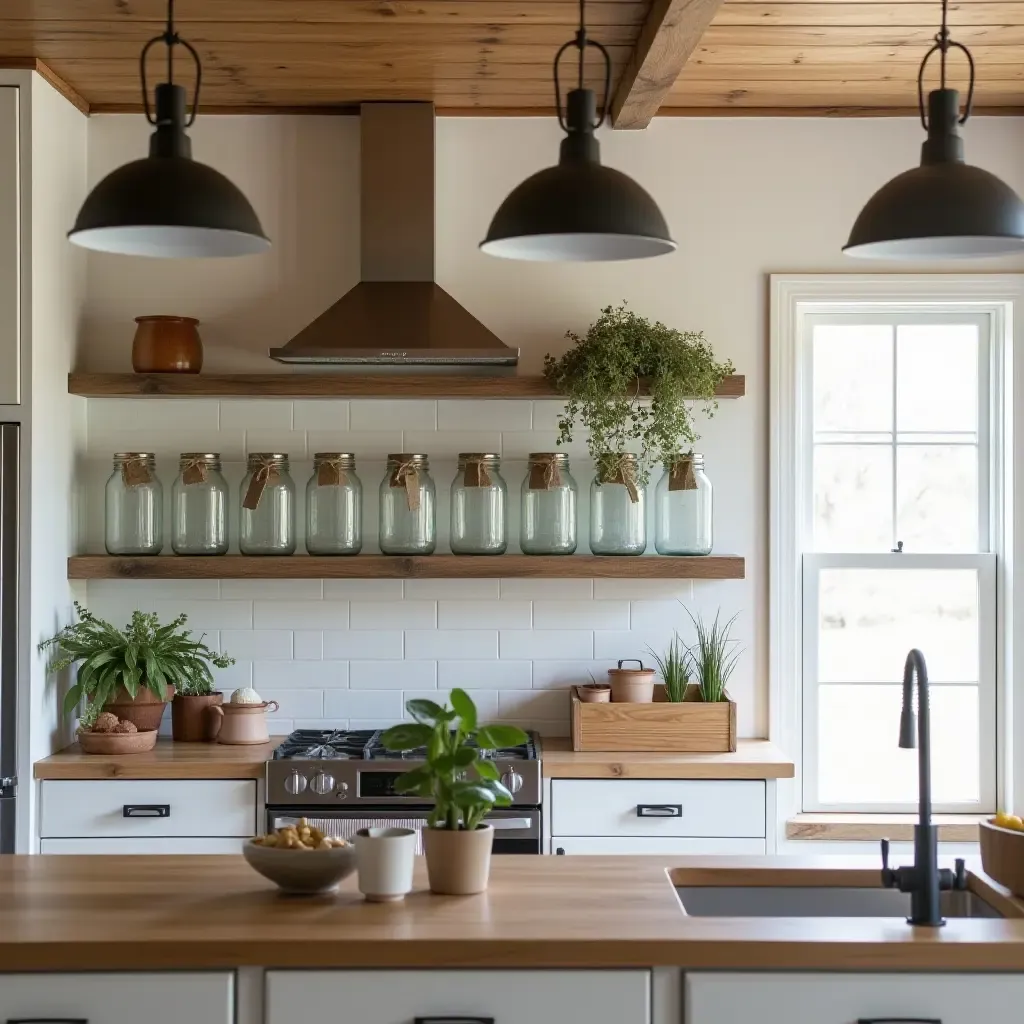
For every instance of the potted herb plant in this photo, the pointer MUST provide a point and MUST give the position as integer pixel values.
(602, 374)
(133, 672)
(714, 657)
(462, 785)
(675, 667)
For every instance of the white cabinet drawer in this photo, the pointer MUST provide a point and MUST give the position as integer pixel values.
(658, 807)
(129, 844)
(147, 808)
(506, 997)
(167, 998)
(665, 847)
(847, 999)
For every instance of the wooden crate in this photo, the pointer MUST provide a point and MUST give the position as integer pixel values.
(691, 726)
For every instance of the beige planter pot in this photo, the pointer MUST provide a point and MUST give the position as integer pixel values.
(458, 863)
(631, 685)
(145, 710)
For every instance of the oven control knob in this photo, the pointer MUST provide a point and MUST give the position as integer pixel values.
(342, 793)
(512, 781)
(322, 783)
(295, 783)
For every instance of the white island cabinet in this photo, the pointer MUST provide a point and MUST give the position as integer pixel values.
(164, 998)
(730, 998)
(470, 997)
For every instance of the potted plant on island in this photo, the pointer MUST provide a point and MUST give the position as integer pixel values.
(130, 673)
(462, 785)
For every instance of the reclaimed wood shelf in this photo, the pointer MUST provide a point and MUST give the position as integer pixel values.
(297, 567)
(325, 385)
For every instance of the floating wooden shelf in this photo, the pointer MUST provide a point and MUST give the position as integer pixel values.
(228, 567)
(324, 385)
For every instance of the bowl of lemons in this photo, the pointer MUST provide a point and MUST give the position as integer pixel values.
(300, 859)
(1002, 850)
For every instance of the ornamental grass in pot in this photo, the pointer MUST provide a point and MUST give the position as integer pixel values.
(131, 673)
(462, 785)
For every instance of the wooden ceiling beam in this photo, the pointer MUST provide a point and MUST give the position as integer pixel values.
(669, 35)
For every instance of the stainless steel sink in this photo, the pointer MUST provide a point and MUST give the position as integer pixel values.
(816, 901)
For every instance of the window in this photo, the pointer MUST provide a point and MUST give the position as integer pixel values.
(887, 512)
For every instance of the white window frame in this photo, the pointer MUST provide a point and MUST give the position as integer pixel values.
(794, 299)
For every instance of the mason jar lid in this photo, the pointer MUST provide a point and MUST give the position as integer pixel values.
(259, 458)
(465, 457)
(560, 457)
(399, 457)
(200, 456)
(134, 457)
(693, 457)
(345, 458)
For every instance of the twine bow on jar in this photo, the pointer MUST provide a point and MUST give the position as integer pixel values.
(622, 470)
(266, 472)
(476, 474)
(680, 475)
(406, 475)
(544, 473)
(194, 470)
(330, 472)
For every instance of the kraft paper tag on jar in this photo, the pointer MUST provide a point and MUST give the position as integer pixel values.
(194, 472)
(681, 477)
(544, 475)
(624, 474)
(405, 475)
(135, 472)
(329, 473)
(476, 474)
(266, 474)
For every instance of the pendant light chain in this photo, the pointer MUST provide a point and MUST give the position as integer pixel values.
(170, 38)
(943, 44)
(581, 41)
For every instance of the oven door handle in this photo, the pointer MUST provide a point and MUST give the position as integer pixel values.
(503, 824)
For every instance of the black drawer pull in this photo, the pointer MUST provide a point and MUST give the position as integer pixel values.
(659, 810)
(147, 810)
(47, 1020)
(898, 1020)
(454, 1020)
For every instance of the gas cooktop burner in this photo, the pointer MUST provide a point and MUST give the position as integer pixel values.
(366, 745)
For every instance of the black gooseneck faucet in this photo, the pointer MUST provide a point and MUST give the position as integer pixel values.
(925, 879)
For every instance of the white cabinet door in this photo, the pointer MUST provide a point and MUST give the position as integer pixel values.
(168, 998)
(10, 247)
(127, 844)
(658, 807)
(727, 998)
(665, 847)
(501, 997)
(105, 809)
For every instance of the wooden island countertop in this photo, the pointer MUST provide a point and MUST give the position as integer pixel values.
(77, 913)
(754, 759)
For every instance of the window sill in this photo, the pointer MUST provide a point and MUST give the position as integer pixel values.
(849, 827)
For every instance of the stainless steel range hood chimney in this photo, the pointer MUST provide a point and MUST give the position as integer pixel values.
(397, 314)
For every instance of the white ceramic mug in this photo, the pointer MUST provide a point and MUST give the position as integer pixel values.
(385, 857)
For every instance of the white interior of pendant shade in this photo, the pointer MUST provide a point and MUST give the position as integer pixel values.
(950, 247)
(580, 248)
(171, 242)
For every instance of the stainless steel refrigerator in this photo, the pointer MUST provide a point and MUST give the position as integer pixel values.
(9, 456)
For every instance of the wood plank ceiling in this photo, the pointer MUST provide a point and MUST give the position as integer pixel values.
(494, 56)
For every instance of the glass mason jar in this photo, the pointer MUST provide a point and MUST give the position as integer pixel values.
(334, 506)
(267, 525)
(683, 508)
(134, 506)
(199, 506)
(479, 506)
(548, 519)
(408, 520)
(618, 508)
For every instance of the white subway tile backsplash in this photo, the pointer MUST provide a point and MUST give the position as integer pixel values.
(233, 677)
(465, 414)
(358, 591)
(274, 590)
(485, 675)
(546, 413)
(658, 615)
(517, 704)
(551, 675)
(454, 589)
(257, 644)
(580, 615)
(444, 445)
(280, 675)
(639, 590)
(486, 701)
(450, 644)
(295, 704)
(287, 442)
(389, 675)
(549, 643)
(300, 614)
(321, 414)
(131, 592)
(383, 706)
(630, 644)
(308, 645)
(368, 446)
(545, 589)
(392, 414)
(359, 644)
(267, 414)
(399, 615)
(484, 615)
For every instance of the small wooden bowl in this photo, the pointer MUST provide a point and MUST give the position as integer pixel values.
(117, 742)
(1002, 855)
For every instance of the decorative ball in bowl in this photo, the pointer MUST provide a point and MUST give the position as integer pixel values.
(301, 860)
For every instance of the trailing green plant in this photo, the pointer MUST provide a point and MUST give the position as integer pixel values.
(462, 784)
(601, 376)
(142, 655)
(714, 656)
(675, 666)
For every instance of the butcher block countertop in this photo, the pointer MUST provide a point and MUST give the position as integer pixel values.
(754, 759)
(76, 913)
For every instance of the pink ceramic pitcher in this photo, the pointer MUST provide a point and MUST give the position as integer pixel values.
(244, 723)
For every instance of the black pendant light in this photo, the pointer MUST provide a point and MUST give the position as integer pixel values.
(168, 204)
(579, 210)
(944, 209)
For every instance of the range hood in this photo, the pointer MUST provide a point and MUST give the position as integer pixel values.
(397, 314)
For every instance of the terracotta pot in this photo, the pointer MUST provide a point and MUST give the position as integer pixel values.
(144, 712)
(458, 863)
(167, 344)
(594, 693)
(192, 720)
(243, 723)
(631, 685)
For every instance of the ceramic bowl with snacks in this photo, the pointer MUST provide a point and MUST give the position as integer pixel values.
(300, 860)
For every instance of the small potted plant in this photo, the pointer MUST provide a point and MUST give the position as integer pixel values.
(192, 721)
(462, 785)
(674, 666)
(714, 658)
(131, 673)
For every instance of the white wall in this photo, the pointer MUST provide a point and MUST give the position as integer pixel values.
(743, 198)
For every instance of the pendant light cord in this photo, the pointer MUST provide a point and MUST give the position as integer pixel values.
(170, 38)
(943, 44)
(581, 41)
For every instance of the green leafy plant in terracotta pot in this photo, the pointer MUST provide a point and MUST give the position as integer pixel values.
(132, 673)
(462, 785)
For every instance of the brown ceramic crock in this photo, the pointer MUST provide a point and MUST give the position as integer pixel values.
(192, 720)
(167, 344)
